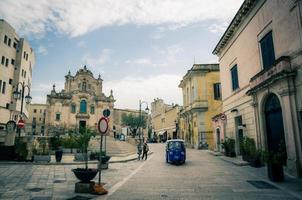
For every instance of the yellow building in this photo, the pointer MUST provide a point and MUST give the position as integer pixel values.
(164, 118)
(201, 101)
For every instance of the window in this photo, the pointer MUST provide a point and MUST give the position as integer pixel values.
(91, 109)
(234, 74)
(35, 110)
(6, 62)
(24, 74)
(217, 91)
(73, 108)
(7, 106)
(13, 62)
(267, 50)
(3, 87)
(9, 41)
(84, 86)
(40, 119)
(24, 54)
(0, 84)
(27, 56)
(34, 120)
(83, 107)
(15, 45)
(58, 116)
(5, 39)
(10, 81)
(3, 60)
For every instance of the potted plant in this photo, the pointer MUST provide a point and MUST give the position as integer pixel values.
(275, 161)
(229, 147)
(85, 174)
(56, 145)
(104, 158)
(41, 151)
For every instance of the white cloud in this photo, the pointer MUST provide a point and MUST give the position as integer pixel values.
(129, 90)
(95, 63)
(78, 17)
(42, 50)
(40, 90)
(140, 61)
(218, 28)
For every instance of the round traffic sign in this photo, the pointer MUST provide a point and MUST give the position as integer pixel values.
(21, 123)
(106, 113)
(103, 125)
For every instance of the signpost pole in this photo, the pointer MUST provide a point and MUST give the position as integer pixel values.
(100, 160)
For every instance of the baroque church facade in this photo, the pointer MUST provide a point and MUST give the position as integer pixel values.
(80, 104)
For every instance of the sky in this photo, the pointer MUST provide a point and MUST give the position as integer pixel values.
(141, 48)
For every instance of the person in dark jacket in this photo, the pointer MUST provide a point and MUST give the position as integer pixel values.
(145, 151)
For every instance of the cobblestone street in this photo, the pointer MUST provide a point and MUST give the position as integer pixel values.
(202, 177)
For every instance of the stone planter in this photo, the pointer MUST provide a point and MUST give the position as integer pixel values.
(85, 175)
(42, 158)
(58, 154)
(81, 156)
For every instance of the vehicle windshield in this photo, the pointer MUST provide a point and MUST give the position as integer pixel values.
(175, 145)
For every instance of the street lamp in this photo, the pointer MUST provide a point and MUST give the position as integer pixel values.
(17, 95)
(140, 117)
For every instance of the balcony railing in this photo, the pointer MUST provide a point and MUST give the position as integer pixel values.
(281, 65)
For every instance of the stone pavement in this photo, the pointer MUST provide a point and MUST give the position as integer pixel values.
(202, 177)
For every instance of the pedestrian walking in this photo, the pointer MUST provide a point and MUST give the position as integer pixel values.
(145, 151)
(139, 150)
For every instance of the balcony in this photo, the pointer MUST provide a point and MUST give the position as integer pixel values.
(265, 77)
(82, 116)
(197, 105)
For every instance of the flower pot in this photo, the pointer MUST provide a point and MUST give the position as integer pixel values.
(85, 175)
(59, 154)
(275, 172)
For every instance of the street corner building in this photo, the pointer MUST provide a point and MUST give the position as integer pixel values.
(201, 101)
(17, 60)
(261, 76)
(164, 120)
(80, 104)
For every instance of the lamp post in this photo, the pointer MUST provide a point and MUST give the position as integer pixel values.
(17, 95)
(140, 117)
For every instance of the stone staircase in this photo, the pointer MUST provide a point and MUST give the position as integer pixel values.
(114, 147)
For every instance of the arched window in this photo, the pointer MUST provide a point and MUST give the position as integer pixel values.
(84, 86)
(73, 108)
(83, 106)
(92, 109)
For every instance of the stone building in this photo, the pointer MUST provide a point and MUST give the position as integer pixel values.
(80, 104)
(201, 101)
(17, 59)
(118, 126)
(164, 119)
(36, 121)
(261, 75)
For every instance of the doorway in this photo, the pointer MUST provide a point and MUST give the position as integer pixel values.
(218, 139)
(239, 134)
(82, 124)
(274, 125)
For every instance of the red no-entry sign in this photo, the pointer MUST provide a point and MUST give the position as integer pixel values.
(21, 123)
(103, 125)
